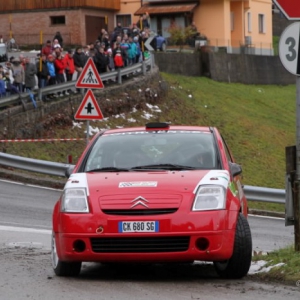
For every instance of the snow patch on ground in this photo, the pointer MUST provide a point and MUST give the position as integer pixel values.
(146, 115)
(259, 267)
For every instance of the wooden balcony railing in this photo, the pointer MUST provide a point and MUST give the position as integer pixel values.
(9, 6)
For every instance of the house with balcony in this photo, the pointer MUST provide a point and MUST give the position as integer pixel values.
(238, 26)
(78, 21)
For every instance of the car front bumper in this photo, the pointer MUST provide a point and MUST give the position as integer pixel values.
(206, 236)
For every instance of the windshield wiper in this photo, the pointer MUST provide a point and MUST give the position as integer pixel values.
(164, 167)
(109, 169)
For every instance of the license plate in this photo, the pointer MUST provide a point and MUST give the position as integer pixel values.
(139, 226)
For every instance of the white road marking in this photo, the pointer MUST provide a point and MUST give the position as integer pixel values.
(23, 229)
(30, 185)
(18, 224)
(266, 217)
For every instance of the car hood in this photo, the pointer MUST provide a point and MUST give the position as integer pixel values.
(110, 186)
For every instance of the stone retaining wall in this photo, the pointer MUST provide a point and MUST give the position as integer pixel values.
(225, 67)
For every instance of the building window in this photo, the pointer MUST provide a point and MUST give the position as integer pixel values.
(261, 23)
(125, 20)
(58, 20)
(249, 22)
(232, 21)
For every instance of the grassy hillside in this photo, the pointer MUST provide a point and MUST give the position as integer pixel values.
(258, 122)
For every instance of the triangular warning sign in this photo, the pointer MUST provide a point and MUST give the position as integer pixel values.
(89, 77)
(89, 108)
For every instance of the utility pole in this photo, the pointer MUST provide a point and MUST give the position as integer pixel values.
(297, 185)
(288, 53)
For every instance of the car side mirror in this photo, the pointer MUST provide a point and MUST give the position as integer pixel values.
(235, 169)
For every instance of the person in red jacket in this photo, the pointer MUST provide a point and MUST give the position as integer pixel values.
(59, 64)
(69, 65)
(47, 49)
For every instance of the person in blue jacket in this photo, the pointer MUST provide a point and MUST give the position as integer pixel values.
(2, 87)
(131, 52)
(52, 73)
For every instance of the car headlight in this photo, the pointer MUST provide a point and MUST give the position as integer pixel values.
(209, 197)
(74, 200)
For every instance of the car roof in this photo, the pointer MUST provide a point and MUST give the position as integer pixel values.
(171, 127)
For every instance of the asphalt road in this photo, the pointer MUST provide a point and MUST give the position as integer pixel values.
(28, 206)
(26, 272)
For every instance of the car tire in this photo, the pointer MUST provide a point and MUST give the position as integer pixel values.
(239, 263)
(61, 268)
(163, 47)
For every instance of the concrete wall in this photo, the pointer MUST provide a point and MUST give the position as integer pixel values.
(224, 67)
(188, 64)
(248, 69)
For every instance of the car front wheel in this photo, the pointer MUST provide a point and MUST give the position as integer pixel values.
(67, 269)
(239, 263)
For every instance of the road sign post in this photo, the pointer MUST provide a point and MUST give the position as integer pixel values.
(89, 108)
(89, 77)
(297, 199)
(148, 43)
(151, 45)
(289, 48)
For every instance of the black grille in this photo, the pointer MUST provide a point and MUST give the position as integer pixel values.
(139, 212)
(141, 244)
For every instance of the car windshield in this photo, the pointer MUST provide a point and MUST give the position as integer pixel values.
(140, 150)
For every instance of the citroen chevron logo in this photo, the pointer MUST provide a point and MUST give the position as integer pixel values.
(139, 200)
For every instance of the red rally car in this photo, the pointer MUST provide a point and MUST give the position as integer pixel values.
(157, 193)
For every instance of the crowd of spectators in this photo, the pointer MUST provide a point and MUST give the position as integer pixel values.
(18, 75)
(122, 47)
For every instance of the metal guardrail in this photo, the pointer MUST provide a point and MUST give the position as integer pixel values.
(34, 165)
(136, 68)
(253, 193)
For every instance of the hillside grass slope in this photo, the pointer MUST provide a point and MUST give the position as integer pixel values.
(257, 122)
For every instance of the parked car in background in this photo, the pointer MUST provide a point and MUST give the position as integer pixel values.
(157, 193)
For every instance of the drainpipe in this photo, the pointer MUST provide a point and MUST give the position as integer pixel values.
(243, 11)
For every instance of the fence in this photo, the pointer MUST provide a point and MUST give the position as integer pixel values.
(248, 46)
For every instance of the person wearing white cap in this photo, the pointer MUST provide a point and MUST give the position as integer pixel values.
(111, 64)
(18, 74)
